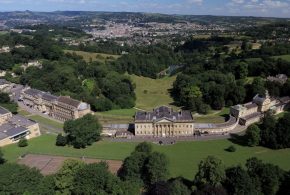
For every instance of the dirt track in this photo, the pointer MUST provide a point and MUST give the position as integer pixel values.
(51, 164)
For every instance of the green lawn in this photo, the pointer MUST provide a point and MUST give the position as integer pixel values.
(3, 32)
(284, 57)
(101, 57)
(116, 116)
(213, 116)
(184, 157)
(23, 112)
(151, 93)
(46, 121)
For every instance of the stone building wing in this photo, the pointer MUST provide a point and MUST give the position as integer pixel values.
(49, 97)
(69, 101)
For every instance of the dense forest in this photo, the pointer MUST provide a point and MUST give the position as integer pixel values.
(66, 74)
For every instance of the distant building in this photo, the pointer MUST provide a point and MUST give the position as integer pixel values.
(15, 127)
(5, 49)
(253, 111)
(2, 73)
(164, 122)
(62, 108)
(280, 78)
(34, 63)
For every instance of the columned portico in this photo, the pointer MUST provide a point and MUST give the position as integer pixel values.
(163, 130)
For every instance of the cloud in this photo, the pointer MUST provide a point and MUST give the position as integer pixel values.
(238, 1)
(198, 2)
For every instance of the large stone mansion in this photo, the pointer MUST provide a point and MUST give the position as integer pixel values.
(165, 122)
(59, 107)
(15, 127)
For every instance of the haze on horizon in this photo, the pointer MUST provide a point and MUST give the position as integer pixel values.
(265, 8)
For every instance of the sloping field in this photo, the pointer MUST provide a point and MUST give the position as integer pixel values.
(153, 92)
(101, 57)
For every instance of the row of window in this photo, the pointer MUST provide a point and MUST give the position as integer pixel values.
(160, 133)
(149, 126)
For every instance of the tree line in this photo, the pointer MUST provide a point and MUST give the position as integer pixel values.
(271, 133)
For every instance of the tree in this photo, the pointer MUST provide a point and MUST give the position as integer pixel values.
(60, 140)
(4, 98)
(144, 147)
(23, 142)
(157, 168)
(253, 135)
(282, 131)
(133, 168)
(210, 171)
(18, 179)
(211, 190)
(268, 175)
(46, 186)
(2, 160)
(177, 187)
(159, 188)
(82, 132)
(268, 126)
(239, 182)
(95, 179)
(258, 87)
(285, 187)
(64, 178)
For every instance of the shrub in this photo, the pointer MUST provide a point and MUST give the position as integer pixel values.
(23, 142)
(60, 140)
(231, 149)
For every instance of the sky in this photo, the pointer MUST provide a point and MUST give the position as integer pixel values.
(268, 8)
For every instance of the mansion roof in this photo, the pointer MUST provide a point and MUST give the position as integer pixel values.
(163, 112)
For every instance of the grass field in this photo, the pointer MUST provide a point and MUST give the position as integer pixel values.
(46, 121)
(284, 57)
(213, 116)
(116, 116)
(151, 93)
(3, 32)
(23, 112)
(184, 157)
(101, 57)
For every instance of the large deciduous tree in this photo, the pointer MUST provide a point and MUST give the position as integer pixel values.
(82, 132)
(18, 179)
(269, 176)
(95, 179)
(157, 168)
(253, 135)
(64, 179)
(211, 171)
(239, 182)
